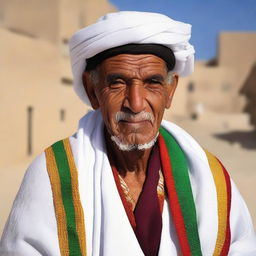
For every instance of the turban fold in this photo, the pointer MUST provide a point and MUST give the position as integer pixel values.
(126, 27)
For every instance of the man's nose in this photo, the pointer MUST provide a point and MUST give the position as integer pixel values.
(135, 97)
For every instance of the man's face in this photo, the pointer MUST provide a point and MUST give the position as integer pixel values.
(132, 94)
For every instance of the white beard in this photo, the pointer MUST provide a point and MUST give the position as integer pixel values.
(131, 147)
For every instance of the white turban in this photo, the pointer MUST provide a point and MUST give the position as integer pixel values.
(121, 28)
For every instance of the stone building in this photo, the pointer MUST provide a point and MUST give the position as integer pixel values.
(38, 105)
(215, 85)
(249, 90)
(52, 20)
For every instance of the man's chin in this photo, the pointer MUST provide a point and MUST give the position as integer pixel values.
(132, 147)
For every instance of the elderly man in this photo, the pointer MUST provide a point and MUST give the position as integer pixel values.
(128, 183)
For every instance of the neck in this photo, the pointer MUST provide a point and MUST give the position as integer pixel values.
(127, 162)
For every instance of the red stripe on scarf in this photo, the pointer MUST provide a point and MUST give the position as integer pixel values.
(226, 245)
(173, 198)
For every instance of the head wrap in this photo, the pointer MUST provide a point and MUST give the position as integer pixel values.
(126, 27)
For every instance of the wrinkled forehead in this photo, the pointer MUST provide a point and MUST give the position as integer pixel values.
(129, 64)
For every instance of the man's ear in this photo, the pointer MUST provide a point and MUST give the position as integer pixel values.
(171, 89)
(90, 90)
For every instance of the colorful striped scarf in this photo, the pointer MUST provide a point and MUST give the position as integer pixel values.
(69, 212)
(182, 204)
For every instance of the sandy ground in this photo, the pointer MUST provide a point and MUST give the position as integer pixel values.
(236, 147)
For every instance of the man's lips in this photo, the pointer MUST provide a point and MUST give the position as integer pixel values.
(134, 122)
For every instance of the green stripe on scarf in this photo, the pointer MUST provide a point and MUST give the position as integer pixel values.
(183, 188)
(66, 191)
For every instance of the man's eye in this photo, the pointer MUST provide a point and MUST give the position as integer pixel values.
(116, 83)
(154, 81)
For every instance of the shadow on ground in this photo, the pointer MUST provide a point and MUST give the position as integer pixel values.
(247, 139)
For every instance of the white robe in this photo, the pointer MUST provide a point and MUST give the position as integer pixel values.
(31, 229)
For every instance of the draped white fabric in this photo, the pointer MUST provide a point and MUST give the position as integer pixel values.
(120, 28)
(31, 229)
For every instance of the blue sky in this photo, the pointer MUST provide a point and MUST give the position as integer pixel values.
(208, 18)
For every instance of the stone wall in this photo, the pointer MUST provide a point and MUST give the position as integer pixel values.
(215, 85)
(237, 50)
(249, 91)
(34, 18)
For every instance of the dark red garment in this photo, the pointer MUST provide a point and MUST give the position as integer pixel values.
(147, 212)
(146, 219)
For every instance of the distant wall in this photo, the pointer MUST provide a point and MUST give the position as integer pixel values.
(237, 50)
(215, 85)
(77, 14)
(31, 78)
(2, 10)
(53, 20)
(99, 7)
(249, 91)
(37, 18)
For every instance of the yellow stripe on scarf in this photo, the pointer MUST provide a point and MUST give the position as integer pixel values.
(221, 189)
(58, 204)
(80, 226)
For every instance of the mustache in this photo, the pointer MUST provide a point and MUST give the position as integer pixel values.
(131, 117)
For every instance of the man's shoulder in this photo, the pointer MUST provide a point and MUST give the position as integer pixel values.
(184, 139)
(37, 165)
(35, 172)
